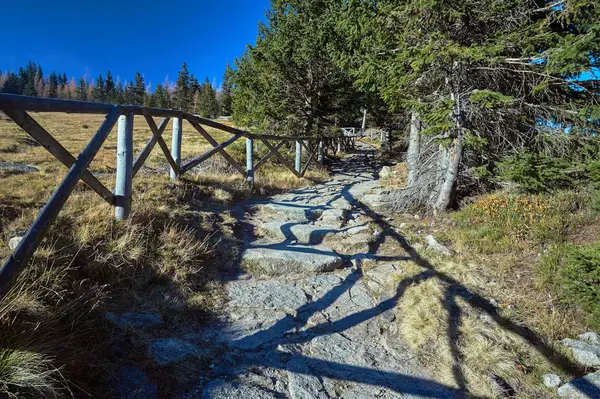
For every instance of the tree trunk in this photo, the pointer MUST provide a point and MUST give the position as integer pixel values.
(448, 185)
(414, 148)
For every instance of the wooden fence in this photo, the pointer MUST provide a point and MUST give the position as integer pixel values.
(17, 108)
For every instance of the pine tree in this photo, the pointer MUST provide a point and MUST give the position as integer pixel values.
(183, 95)
(12, 84)
(138, 96)
(53, 85)
(207, 100)
(109, 84)
(225, 99)
(81, 91)
(99, 93)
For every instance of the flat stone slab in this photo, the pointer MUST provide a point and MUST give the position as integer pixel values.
(303, 233)
(293, 211)
(334, 215)
(266, 295)
(582, 388)
(222, 389)
(165, 351)
(285, 259)
(134, 384)
(251, 329)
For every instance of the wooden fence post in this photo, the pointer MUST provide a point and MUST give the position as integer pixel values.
(298, 156)
(124, 167)
(250, 161)
(176, 145)
(321, 155)
(339, 145)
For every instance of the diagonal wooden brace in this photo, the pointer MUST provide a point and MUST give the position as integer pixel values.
(41, 135)
(268, 156)
(193, 162)
(143, 155)
(310, 158)
(160, 141)
(281, 158)
(215, 144)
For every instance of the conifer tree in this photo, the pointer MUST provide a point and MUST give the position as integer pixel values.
(110, 89)
(225, 93)
(207, 100)
(183, 96)
(53, 85)
(81, 91)
(12, 84)
(99, 92)
(139, 90)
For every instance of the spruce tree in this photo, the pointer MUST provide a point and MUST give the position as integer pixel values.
(139, 90)
(225, 94)
(12, 84)
(207, 100)
(183, 96)
(109, 84)
(99, 92)
(81, 91)
(53, 85)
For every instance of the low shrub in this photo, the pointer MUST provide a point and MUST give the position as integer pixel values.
(573, 273)
(500, 221)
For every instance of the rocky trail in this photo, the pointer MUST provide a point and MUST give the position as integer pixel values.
(304, 318)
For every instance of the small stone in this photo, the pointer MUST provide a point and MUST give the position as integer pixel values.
(385, 172)
(417, 217)
(356, 230)
(590, 337)
(14, 242)
(334, 214)
(433, 244)
(402, 225)
(587, 354)
(582, 388)
(552, 380)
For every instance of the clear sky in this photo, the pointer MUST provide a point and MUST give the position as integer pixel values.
(153, 36)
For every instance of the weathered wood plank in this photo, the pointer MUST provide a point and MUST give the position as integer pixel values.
(32, 238)
(298, 156)
(250, 162)
(215, 144)
(41, 135)
(309, 160)
(143, 155)
(161, 142)
(268, 156)
(199, 159)
(281, 158)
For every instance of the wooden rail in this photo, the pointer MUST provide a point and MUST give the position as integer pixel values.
(17, 107)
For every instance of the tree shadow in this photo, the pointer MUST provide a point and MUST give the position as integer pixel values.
(364, 375)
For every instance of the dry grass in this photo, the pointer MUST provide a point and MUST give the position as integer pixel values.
(165, 258)
(458, 341)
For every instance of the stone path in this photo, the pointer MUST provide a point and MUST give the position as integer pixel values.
(303, 320)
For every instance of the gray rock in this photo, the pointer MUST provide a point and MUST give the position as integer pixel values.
(222, 389)
(385, 172)
(303, 233)
(298, 212)
(383, 274)
(17, 167)
(14, 242)
(357, 230)
(374, 200)
(434, 245)
(341, 203)
(582, 388)
(334, 215)
(303, 383)
(280, 260)
(587, 354)
(135, 320)
(134, 384)
(552, 380)
(250, 329)
(165, 351)
(590, 337)
(266, 295)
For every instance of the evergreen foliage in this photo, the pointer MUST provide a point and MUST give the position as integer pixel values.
(225, 98)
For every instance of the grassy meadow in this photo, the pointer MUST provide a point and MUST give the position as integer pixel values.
(54, 339)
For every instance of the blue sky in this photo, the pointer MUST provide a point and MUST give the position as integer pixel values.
(153, 37)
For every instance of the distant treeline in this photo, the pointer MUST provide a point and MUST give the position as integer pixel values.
(187, 93)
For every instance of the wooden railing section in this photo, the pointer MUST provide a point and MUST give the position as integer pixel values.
(17, 108)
